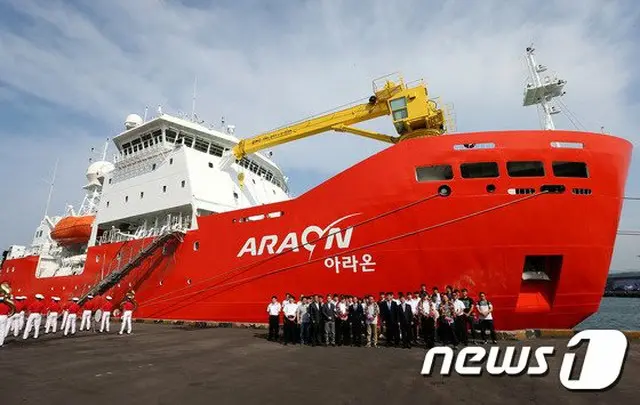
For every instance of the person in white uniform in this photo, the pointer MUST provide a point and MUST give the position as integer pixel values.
(36, 309)
(86, 313)
(107, 307)
(72, 316)
(52, 316)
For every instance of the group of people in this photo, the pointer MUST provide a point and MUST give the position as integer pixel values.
(20, 315)
(430, 317)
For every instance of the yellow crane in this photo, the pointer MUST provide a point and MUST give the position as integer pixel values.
(413, 114)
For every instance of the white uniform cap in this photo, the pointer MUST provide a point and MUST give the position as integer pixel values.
(108, 297)
(40, 296)
(75, 299)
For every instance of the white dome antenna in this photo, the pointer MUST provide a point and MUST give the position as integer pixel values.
(132, 121)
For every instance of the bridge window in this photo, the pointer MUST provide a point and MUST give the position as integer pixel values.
(479, 170)
(215, 150)
(201, 145)
(570, 169)
(434, 173)
(171, 135)
(525, 169)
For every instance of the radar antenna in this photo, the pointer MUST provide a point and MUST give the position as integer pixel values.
(542, 90)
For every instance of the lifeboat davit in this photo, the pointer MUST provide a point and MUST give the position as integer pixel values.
(73, 230)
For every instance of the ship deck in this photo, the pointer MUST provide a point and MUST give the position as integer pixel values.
(169, 364)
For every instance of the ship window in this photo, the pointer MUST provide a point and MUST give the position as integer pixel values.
(479, 170)
(171, 161)
(182, 183)
(399, 108)
(164, 189)
(157, 136)
(153, 166)
(201, 145)
(434, 173)
(570, 169)
(188, 141)
(126, 198)
(170, 135)
(107, 204)
(110, 181)
(525, 169)
(142, 194)
(235, 195)
(215, 150)
(210, 165)
(196, 245)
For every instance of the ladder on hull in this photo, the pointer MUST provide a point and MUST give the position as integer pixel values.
(115, 276)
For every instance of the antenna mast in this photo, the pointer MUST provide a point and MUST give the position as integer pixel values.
(53, 180)
(193, 100)
(104, 151)
(542, 91)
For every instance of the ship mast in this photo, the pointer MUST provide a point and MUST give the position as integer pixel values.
(541, 91)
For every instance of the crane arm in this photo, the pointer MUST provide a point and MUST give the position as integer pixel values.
(413, 114)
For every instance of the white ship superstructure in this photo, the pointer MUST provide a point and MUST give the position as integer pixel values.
(168, 172)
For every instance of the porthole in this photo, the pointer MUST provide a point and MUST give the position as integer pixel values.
(107, 204)
(189, 281)
(153, 166)
(160, 282)
(171, 161)
(183, 183)
(491, 188)
(164, 189)
(126, 198)
(196, 245)
(444, 191)
(142, 194)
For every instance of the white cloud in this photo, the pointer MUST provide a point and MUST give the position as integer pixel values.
(261, 66)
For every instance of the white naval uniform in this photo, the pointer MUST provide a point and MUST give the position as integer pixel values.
(126, 321)
(70, 324)
(51, 322)
(105, 321)
(4, 320)
(65, 314)
(86, 319)
(34, 321)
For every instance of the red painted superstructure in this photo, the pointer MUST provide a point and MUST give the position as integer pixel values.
(479, 237)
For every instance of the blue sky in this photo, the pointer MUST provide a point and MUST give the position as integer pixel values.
(69, 75)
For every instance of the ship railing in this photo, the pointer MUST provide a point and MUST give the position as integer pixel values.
(137, 254)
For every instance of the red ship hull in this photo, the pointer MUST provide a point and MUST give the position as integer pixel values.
(477, 237)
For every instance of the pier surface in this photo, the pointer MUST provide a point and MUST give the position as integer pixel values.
(169, 364)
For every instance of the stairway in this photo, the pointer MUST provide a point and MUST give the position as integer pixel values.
(115, 276)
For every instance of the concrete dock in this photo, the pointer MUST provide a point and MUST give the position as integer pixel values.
(170, 364)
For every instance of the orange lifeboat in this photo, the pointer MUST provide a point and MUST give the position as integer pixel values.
(73, 230)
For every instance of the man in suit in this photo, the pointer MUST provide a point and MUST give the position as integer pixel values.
(329, 318)
(356, 317)
(315, 317)
(405, 318)
(389, 312)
